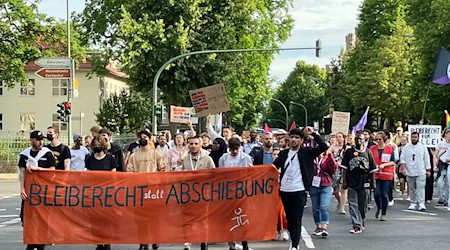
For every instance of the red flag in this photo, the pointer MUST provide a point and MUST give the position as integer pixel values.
(267, 128)
(293, 126)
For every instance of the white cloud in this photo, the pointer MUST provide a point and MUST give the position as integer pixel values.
(327, 20)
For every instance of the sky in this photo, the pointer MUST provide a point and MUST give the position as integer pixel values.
(327, 20)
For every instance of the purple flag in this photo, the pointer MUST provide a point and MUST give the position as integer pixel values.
(362, 122)
(441, 72)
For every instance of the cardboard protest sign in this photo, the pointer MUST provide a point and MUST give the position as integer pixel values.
(210, 100)
(340, 122)
(180, 114)
(429, 135)
(97, 207)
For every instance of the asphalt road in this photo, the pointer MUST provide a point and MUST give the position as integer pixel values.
(403, 229)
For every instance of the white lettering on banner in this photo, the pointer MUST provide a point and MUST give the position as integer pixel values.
(429, 135)
(239, 219)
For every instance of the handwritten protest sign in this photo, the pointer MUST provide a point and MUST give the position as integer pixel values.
(340, 122)
(209, 100)
(180, 114)
(97, 207)
(429, 135)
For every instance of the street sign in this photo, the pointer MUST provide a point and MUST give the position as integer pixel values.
(53, 73)
(61, 62)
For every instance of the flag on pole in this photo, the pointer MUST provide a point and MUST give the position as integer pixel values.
(447, 119)
(219, 124)
(362, 122)
(293, 126)
(441, 72)
(267, 128)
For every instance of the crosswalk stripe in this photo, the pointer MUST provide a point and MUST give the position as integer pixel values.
(307, 238)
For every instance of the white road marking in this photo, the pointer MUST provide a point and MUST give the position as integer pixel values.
(2, 209)
(442, 208)
(10, 222)
(9, 216)
(307, 238)
(17, 208)
(418, 212)
(8, 196)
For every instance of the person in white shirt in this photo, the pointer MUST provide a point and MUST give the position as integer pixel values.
(415, 165)
(235, 158)
(163, 148)
(296, 177)
(78, 154)
(445, 158)
(252, 142)
(439, 167)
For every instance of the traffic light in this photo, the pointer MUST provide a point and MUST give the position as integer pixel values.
(318, 47)
(67, 108)
(64, 110)
(159, 112)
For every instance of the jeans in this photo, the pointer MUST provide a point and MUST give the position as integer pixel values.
(381, 195)
(357, 204)
(320, 199)
(416, 186)
(442, 186)
(294, 204)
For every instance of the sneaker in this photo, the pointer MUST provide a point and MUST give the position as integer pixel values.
(317, 232)
(391, 203)
(285, 235)
(293, 248)
(155, 246)
(324, 233)
(428, 202)
(448, 209)
(356, 230)
(377, 214)
(187, 246)
(342, 211)
(422, 209)
(440, 203)
(412, 207)
(383, 218)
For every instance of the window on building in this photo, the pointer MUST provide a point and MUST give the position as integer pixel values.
(56, 122)
(1, 87)
(27, 89)
(1, 122)
(59, 87)
(27, 121)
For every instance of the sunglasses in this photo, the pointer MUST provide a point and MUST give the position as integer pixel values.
(295, 137)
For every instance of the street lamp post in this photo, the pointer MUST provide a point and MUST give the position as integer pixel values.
(161, 69)
(285, 110)
(306, 111)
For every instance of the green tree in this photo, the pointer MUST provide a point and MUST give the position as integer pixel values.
(143, 35)
(304, 85)
(27, 35)
(432, 31)
(124, 112)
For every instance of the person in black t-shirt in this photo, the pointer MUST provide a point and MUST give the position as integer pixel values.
(60, 151)
(34, 158)
(113, 149)
(100, 160)
(358, 165)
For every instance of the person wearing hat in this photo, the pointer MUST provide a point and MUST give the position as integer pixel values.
(34, 158)
(78, 153)
(396, 139)
(60, 151)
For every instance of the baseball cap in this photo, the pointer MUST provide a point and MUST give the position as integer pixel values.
(399, 128)
(37, 135)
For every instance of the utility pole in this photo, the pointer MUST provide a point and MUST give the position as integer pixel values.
(72, 75)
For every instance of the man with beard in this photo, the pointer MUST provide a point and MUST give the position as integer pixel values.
(34, 158)
(415, 164)
(296, 176)
(358, 165)
(265, 156)
(252, 142)
(60, 151)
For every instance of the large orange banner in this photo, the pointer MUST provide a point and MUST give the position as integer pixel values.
(218, 205)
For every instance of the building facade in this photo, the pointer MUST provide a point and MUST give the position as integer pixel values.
(27, 107)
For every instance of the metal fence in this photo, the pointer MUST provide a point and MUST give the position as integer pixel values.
(11, 144)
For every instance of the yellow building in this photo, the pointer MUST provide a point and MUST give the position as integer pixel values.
(33, 106)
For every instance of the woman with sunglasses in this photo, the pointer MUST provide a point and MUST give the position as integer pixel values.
(384, 157)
